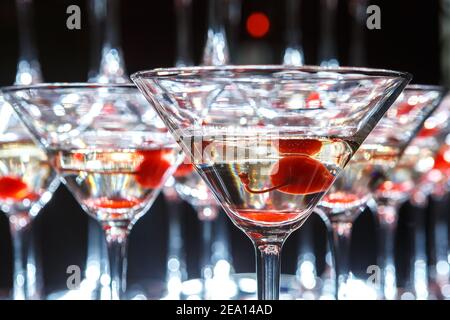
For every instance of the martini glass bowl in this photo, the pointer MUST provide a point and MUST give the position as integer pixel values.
(414, 108)
(109, 148)
(269, 140)
(414, 179)
(27, 183)
(367, 170)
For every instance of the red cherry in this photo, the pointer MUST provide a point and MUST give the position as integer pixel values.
(244, 178)
(113, 203)
(295, 175)
(442, 160)
(341, 197)
(301, 175)
(109, 108)
(405, 108)
(151, 170)
(428, 132)
(389, 186)
(183, 170)
(13, 188)
(78, 156)
(313, 100)
(265, 216)
(298, 146)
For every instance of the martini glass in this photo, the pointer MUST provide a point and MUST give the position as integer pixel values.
(439, 264)
(215, 260)
(370, 165)
(399, 183)
(107, 66)
(26, 185)
(176, 264)
(416, 170)
(267, 154)
(429, 148)
(27, 282)
(111, 151)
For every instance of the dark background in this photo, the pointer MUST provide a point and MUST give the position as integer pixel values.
(407, 41)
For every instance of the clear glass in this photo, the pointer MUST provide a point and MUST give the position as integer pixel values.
(28, 66)
(367, 170)
(176, 271)
(358, 54)
(107, 62)
(293, 54)
(248, 130)
(216, 51)
(215, 261)
(328, 55)
(27, 274)
(27, 183)
(399, 183)
(417, 168)
(108, 147)
(107, 66)
(183, 11)
(439, 262)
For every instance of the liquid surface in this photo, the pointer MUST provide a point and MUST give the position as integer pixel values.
(267, 182)
(365, 172)
(25, 175)
(115, 185)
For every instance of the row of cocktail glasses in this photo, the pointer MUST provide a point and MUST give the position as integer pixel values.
(271, 142)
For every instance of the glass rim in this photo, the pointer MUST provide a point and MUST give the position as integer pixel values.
(163, 73)
(426, 87)
(67, 85)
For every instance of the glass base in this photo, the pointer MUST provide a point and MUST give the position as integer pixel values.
(236, 287)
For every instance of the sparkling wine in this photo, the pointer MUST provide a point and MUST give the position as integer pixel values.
(25, 174)
(115, 185)
(264, 181)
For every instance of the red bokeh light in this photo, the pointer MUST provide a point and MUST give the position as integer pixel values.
(258, 24)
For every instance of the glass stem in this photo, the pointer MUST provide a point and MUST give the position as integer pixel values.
(341, 249)
(108, 64)
(387, 225)
(116, 238)
(183, 11)
(222, 240)
(306, 261)
(420, 269)
(207, 215)
(293, 54)
(176, 264)
(97, 259)
(327, 47)
(28, 67)
(439, 271)
(357, 48)
(268, 268)
(216, 51)
(20, 226)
